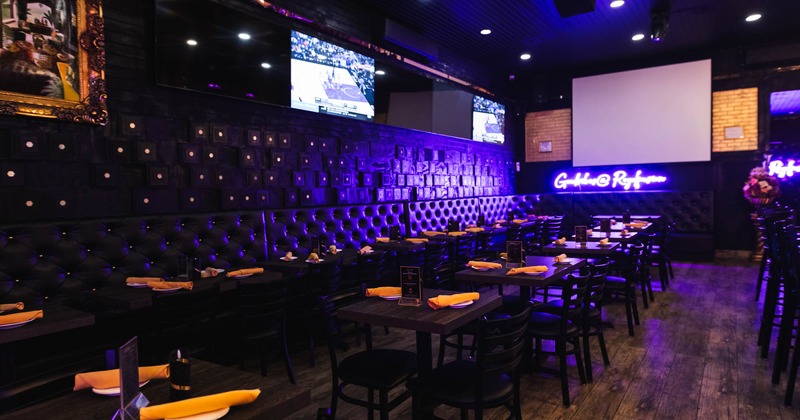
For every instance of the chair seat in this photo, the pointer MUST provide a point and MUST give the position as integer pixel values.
(543, 324)
(379, 368)
(614, 282)
(454, 384)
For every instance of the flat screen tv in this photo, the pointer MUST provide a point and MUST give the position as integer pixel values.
(488, 120)
(330, 79)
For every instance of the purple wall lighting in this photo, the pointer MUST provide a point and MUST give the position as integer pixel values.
(784, 103)
(616, 180)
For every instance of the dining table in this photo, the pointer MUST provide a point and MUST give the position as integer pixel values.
(276, 401)
(298, 265)
(398, 246)
(424, 320)
(613, 236)
(578, 249)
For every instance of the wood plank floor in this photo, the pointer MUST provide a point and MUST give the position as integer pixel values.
(693, 357)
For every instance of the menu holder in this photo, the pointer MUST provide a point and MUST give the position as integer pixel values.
(605, 225)
(394, 233)
(513, 254)
(581, 236)
(130, 398)
(481, 220)
(453, 226)
(411, 286)
(626, 217)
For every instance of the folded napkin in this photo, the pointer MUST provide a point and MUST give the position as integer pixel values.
(313, 257)
(170, 285)
(365, 250)
(105, 379)
(12, 306)
(384, 291)
(243, 271)
(603, 241)
(288, 255)
(624, 232)
(483, 264)
(209, 272)
(443, 301)
(560, 257)
(142, 280)
(530, 269)
(474, 229)
(459, 233)
(417, 240)
(20, 317)
(381, 239)
(500, 221)
(199, 405)
(561, 241)
(332, 249)
(504, 255)
(589, 231)
(431, 233)
(636, 225)
(519, 221)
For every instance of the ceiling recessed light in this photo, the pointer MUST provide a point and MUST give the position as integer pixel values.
(754, 17)
(525, 56)
(191, 42)
(617, 3)
(380, 72)
(265, 65)
(244, 36)
(638, 37)
(486, 31)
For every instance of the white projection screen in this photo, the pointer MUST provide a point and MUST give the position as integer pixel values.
(654, 115)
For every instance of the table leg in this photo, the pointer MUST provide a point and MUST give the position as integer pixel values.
(424, 352)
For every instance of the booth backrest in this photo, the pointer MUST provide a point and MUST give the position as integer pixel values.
(434, 215)
(497, 207)
(349, 226)
(60, 261)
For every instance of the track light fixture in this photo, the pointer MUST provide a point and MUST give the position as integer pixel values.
(659, 22)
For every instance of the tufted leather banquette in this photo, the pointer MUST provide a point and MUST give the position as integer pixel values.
(348, 226)
(497, 207)
(59, 261)
(434, 215)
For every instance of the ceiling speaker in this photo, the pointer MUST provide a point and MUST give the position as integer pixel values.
(567, 8)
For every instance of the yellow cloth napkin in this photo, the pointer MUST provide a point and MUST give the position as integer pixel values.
(381, 239)
(561, 241)
(483, 264)
(170, 285)
(365, 249)
(636, 225)
(105, 379)
(20, 317)
(313, 257)
(12, 306)
(384, 291)
(624, 232)
(519, 221)
(443, 301)
(560, 257)
(142, 280)
(459, 233)
(504, 255)
(333, 250)
(431, 233)
(243, 271)
(209, 272)
(500, 221)
(198, 405)
(531, 269)
(417, 240)
(475, 229)
(603, 241)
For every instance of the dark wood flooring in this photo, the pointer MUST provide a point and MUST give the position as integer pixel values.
(693, 357)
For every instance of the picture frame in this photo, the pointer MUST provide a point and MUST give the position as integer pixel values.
(546, 147)
(52, 60)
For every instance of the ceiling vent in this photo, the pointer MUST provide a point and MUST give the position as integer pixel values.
(567, 8)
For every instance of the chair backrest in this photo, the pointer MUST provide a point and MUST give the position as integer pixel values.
(626, 263)
(499, 344)
(261, 303)
(370, 268)
(183, 318)
(464, 248)
(324, 277)
(597, 283)
(573, 296)
(335, 329)
(553, 227)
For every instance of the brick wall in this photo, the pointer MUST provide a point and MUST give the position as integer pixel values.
(735, 108)
(554, 126)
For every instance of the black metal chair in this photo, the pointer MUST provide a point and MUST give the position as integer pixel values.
(437, 270)
(622, 280)
(262, 318)
(489, 380)
(380, 370)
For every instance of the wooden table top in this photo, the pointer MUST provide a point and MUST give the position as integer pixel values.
(300, 266)
(574, 249)
(619, 226)
(375, 310)
(401, 245)
(57, 318)
(613, 236)
(275, 402)
(128, 298)
(499, 276)
(648, 217)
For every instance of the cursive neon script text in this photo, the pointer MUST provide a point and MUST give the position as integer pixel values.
(616, 180)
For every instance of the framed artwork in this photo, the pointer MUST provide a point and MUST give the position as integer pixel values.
(52, 60)
(546, 147)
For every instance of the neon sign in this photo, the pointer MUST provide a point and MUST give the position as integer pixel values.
(616, 180)
(781, 170)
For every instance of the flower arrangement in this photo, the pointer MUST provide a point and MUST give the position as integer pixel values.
(761, 188)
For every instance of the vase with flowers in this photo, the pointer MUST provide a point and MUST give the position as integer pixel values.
(761, 188)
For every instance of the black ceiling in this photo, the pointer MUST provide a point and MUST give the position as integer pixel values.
(597, 41)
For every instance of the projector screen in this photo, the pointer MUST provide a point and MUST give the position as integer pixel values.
(329, 79)
(655, 115)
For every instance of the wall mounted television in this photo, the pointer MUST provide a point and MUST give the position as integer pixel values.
(226, 50)
(488, 120)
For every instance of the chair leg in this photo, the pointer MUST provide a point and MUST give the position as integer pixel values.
(562, 364)
(762, 269)
(789, 396)
(587, 357)
(603, 349)
(442, 345)
(579, 360)
(629, 316)
(287, 361)
(384, 402)
(370, 404)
